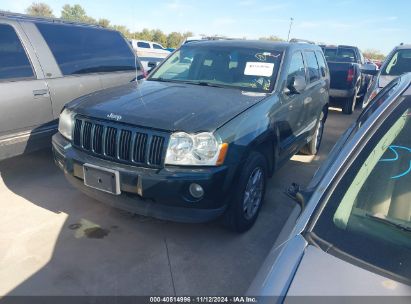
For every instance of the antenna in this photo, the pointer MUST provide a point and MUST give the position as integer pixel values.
(289, 30)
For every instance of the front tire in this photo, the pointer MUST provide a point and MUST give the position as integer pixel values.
(249, 194)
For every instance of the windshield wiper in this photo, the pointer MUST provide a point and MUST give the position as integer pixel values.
(162, 79)
(389, 222)
(204, 83)
(201, 83)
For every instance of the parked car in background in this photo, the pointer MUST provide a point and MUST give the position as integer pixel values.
(199, 138)
(397, 63)
(353, 237)
(149, 49)
(45, 63)
(347, 81)
(378, 63)
(371, 63)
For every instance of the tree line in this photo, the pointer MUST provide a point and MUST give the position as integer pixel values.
(77, 13)
(172, 40)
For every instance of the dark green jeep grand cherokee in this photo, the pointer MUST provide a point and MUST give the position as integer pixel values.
(198, 139)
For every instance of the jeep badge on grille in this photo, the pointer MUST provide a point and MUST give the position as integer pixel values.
(114, 116)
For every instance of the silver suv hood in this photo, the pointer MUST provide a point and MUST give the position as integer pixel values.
(321, 274)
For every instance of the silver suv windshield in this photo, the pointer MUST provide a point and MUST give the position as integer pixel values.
(368, 215)
(248, 69)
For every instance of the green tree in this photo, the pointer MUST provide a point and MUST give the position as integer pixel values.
(39, 9)
(104, 22)
(174, 40)
(145, 34)
(373, 54)
(122, 29)
(188, 34)
(271, 38)
(160, 37)
(76, 13)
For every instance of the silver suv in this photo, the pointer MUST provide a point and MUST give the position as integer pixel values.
(45, 63)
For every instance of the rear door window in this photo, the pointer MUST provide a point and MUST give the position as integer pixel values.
(312, 66)
(83, 50)
(143, 45)
(321, 63)
(14, 63)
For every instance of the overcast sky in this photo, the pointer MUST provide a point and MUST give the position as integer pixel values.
(378, 24)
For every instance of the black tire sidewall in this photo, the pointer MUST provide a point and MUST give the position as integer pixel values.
(349, 103)
(236, 218)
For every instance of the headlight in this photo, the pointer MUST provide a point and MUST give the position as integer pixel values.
(202, 149)
(66, 123)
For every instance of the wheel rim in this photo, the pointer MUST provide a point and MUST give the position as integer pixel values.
(253, 194)
(319, 132)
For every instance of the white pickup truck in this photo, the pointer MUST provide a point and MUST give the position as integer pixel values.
(149, 49)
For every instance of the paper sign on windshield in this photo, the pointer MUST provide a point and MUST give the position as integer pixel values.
(264, 69)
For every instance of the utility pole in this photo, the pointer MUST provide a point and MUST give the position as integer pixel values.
(289, 30)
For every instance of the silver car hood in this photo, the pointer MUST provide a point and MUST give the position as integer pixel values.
(321, 274)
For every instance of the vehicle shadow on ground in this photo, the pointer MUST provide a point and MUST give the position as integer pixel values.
(56, 241)
(61, 242)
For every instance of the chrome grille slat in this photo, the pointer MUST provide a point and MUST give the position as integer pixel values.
(124, 145)
(98, 139)
(77, 132)
(119, 142)
(111, 142)
(87, 135)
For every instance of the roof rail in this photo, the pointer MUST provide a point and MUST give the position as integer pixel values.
(18, 16)
(295, 40)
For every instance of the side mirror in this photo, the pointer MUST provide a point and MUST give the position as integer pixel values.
(369, 69)
(151, 65)
(297, 85)
(294, 192)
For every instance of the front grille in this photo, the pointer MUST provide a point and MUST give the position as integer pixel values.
(120, 142)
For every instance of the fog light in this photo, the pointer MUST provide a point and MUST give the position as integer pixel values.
(196, 191)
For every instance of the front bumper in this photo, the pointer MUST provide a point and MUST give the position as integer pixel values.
(160, 193)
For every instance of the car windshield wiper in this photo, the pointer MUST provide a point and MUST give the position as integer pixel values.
(389, 222)
(204, 83)
(201, 83)
(162, 79)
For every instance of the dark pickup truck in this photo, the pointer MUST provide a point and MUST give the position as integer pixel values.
(347, 81)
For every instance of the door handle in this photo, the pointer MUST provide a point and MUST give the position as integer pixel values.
(40, 92)
(307, 100)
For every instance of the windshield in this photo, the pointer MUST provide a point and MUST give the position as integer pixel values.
(247, 69)
(399, 64)
(368, 215)
(339, 54)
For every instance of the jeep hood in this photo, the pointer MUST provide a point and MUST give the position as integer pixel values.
(167, 106)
